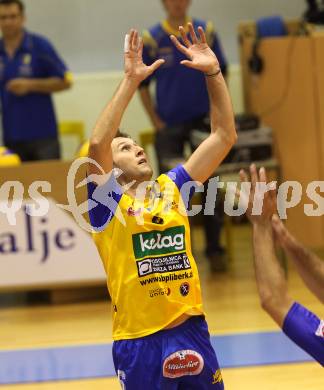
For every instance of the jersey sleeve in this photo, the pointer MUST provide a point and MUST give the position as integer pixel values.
(103, 202)
(306, 330)
(52, 64)
(181, 177)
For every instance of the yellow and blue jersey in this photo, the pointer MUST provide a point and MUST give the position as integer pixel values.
(145, 247)
(181, 93)
(32, 116)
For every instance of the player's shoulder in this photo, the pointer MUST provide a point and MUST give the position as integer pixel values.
(152, 36)
(178, 175)
(39, 41)
(156, 29)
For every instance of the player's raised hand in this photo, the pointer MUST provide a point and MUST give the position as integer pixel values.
(285, 239)
(262, 200)
(201, 57)
(133, 54)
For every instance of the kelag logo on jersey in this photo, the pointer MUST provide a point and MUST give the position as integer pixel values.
(160, 252)
(157, 243)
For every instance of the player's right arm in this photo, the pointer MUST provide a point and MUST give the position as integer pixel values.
(309, 266)
(211, 152)
(109, 121)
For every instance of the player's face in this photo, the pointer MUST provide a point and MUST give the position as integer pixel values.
(11, 20)
(177, 8)
(131, 159)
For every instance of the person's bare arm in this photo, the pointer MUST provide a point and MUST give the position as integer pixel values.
(108, 123)
(309, 266)
(207, 157)
(149, 107)
(24, 86)
(270, 277)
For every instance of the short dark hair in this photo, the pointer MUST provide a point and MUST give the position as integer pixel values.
(121, 134)
(20, 4)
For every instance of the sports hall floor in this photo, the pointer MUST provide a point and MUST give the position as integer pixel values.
(67, 347)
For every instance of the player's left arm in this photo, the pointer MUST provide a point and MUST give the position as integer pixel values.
(270, 277)
(308, 264)
(208, 156)
(298, 323)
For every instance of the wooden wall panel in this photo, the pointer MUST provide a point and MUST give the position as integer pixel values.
(289, 97)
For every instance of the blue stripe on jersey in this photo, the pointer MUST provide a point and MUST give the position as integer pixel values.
(180, 177)
(107, 198)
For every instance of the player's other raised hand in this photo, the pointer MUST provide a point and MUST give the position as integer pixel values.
(201, 57)
(261, 202)
(135, 68)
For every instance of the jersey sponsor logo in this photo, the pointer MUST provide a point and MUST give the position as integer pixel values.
(167, 278)
(160, 292)
(131, 212)
(164, 264)
(157, 220)
(183, 363)
(156, 243)
(217, 377)
(144, 267)
(184, 289)
(320, 330)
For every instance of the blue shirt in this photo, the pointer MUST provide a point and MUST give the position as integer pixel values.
(29, 117)
(181, 93)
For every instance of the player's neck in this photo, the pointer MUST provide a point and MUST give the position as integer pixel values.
(134, 193)
(176, 22)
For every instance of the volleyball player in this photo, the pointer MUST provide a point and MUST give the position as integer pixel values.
(161, 339)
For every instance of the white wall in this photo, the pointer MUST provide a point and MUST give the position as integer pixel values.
(92, 91)
(89, 33)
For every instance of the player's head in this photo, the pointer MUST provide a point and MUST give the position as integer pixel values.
(130, 159)
(12, 17)
(176, 9)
